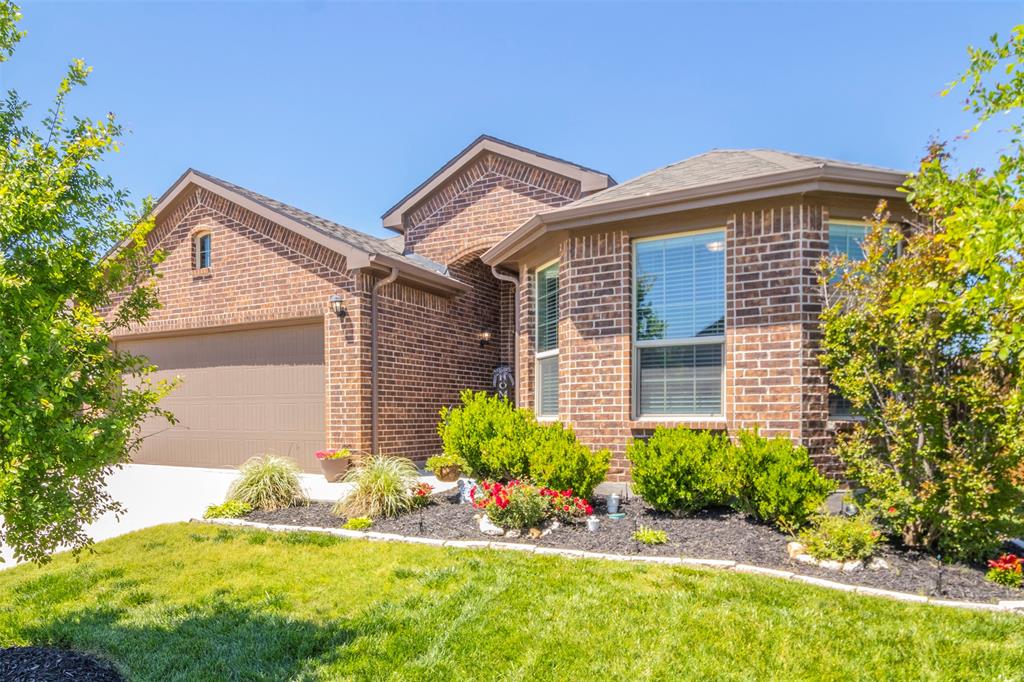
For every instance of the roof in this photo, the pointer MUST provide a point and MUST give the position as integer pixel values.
(590, 180)
(717, 177)
(359, 248)
(718, 166)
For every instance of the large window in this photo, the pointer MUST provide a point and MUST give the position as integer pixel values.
(844, 237)
(679, 303)
(546, 299)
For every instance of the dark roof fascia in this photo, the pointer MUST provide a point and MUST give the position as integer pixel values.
(883, 184)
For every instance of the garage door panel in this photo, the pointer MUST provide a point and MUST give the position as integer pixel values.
(240, 393)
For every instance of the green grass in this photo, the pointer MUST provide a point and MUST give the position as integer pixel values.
(197, 602)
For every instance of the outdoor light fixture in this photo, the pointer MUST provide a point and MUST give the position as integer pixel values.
(485, 338)
(336, 306)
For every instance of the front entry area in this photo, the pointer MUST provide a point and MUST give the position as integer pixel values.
(241, 393)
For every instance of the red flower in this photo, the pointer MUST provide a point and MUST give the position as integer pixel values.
(892, 510)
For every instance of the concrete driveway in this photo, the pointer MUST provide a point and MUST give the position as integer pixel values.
(153, 494)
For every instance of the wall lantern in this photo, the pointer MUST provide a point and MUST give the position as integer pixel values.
(485, 338)
(336, 306)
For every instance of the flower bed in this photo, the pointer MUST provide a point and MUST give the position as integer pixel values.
(708, 534)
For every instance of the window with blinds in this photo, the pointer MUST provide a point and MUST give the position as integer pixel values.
(679, 290)
(844, 237)
(546, 299)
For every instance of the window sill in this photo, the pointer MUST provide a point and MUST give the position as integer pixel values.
(670, 421)
(202, 273)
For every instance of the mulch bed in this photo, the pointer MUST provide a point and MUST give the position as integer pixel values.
(709, 534)
(43, 664)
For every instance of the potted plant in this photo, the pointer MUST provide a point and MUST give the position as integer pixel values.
(335, 463)
(446, 467)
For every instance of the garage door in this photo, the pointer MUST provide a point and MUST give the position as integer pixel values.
(241, 393)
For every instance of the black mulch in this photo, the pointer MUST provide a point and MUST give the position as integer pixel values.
(709, 534)
(44, 664)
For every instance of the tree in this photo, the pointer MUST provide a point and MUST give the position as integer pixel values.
(74, 268)
(925, 337)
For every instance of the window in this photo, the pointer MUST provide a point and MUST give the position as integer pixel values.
(202, 250)
(679, 330)
(547, 341)
(844, 237)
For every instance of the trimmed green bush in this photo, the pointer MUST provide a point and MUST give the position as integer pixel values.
(486, 432)
(358, 523)
(681, 471)
(496, 441)
(777, 482)
(268, 483)
(841, 538)
(557, 460)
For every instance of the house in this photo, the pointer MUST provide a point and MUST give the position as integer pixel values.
(687, 295)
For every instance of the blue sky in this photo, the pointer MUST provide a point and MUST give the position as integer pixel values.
(343, 108)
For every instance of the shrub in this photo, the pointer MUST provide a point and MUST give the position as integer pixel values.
(358, 523)
(565, 506)
(1007, 570)
(679, 470)
(515, 505)
(232, 509)
(559, 461)
(841, 538)
(487, 434)
(382, 487)
(777, 482)
(492, 440)
(650, 536)
(268, 483)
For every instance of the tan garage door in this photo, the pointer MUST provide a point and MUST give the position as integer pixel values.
(241, 393)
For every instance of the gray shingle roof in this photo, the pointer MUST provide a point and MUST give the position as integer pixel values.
(714, 167)
(360, 240)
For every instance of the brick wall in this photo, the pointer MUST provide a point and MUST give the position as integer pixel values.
(262, 273)
(772, 377)
(429, 350)
(476, 208)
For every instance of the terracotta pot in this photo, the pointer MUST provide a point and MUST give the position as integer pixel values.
(448, 474)
(334, 469)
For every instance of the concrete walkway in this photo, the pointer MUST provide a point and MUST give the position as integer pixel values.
(152, 494)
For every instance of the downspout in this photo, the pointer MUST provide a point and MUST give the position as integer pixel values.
(515, 325)
(374, 392)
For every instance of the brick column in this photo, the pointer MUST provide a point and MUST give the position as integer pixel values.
(595, 298)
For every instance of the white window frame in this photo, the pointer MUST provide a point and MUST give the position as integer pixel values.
(197, 239)
(637, 345)
(542, 355)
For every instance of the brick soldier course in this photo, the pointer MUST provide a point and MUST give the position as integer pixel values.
(500, 210)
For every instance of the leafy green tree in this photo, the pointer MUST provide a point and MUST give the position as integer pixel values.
(925, 336)
(74, 267)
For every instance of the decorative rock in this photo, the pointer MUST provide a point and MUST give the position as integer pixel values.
(805, 559)
(829, 564)
(853, 565)
(554, 525)
(513, 533)
(795, 549)
(879, 564)
(487, 527)
(535, 533)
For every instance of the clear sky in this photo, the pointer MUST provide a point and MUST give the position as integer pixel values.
(342, 108)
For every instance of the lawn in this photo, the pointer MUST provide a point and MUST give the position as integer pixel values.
(196, 602)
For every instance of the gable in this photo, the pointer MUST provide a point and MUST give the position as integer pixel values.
(259, 270)
(481, 204)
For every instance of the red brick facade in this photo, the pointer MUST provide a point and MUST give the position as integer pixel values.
(429, 345)
(772, 379)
